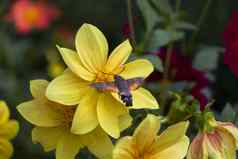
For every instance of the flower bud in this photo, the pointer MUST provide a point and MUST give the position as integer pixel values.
(217, 140)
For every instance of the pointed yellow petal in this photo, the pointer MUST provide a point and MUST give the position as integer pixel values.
(125, 149)
(47, 137)
(68, 146)
(38, 88)
(125, 121)
(178, 150)
(9, 129)
(231, 128)
(72, 60)
(6, 149)
(138, 68)
(108, 111)
(85, 118)
(92, 47)
(171, 136)
(142, 98)
(67, 89)
(119, 56)
(146, 132)
(99, 144)
(4, 112)
(40, 113)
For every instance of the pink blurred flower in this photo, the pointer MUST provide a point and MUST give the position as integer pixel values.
(181, 69)
(231, 43)
(28, 15)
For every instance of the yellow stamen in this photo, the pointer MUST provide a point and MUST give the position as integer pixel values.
(104, 77)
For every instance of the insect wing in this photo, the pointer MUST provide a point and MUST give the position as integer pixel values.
(105, 86)
(135, 83)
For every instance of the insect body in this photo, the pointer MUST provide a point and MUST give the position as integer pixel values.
(121, 86)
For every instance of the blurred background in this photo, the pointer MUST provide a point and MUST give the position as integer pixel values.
(30, 30)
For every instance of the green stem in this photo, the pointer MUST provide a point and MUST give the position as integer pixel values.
(178, 6)
(163, 120)
(201, 20)
(236, 117)
(131, 23)
(167, 62)
(164, 87)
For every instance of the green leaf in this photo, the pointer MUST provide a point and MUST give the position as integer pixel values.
(182, 108)
(149, 14)
(156, 61)
(163, 6)
(161, 38)
(154, 87)
(207, 58)
(228, 113)
(181, 25)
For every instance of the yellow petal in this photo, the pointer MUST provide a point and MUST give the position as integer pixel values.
(38, 88)
(178, 150)
(228, 145)
(68, 146)
(85, 118)
(6, 149)
(138, 68)
(40, 113)
(119, 56)
(170, 136)
(125, 149)
(67, 89)
(99, 144)
(72, 60)
(142, 98)
(9, 129)
(231, 128)
(47, 137)
(92, 47)
(146, 132)
(4, 112)
(125, 121)
(108, 111)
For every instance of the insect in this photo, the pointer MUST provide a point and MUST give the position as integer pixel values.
(121, 86)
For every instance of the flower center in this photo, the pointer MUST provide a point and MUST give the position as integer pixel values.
(68, 114)
(144, 156)
(104, 77)
(32, 15)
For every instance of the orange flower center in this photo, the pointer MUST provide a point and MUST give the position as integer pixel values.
(104, 76)
(68, 113)
(144, 156)
(32, 15)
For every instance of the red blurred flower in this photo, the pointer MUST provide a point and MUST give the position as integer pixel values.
(181, 69)
(231, 43)
(28, 15)
(66, 34)
(126, 30)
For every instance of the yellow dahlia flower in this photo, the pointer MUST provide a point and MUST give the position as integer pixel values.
(221, 142)
(8, 130)
(145, 144)
(89, 64)
(52, 126)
